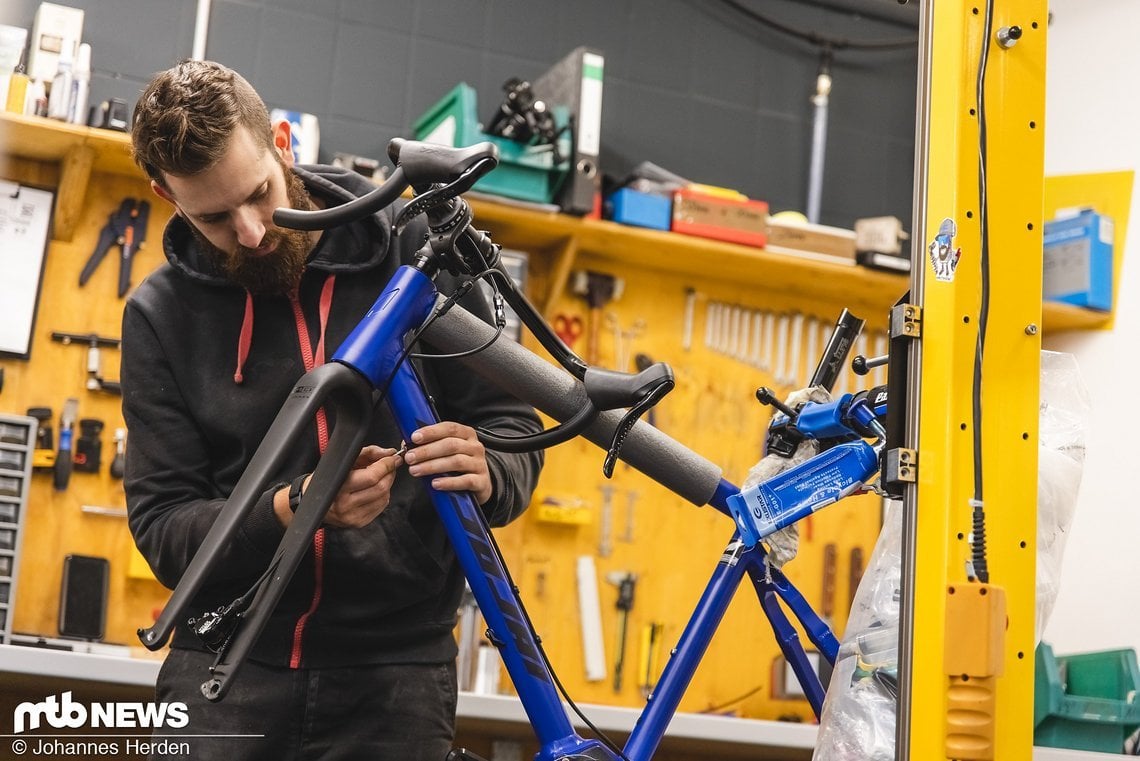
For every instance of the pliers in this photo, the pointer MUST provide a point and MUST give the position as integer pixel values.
(126, 228)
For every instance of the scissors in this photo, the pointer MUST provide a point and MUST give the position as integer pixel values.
(568, 328)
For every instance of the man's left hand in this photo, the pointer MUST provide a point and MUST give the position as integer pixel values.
(453, 455)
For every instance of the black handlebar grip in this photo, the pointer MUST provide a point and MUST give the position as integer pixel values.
(358, 208)
(560, 395)
(847, 329)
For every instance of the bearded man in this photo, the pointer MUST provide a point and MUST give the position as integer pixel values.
(358, 659)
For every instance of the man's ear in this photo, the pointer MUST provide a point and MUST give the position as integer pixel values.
(283, 141)
(164, 194)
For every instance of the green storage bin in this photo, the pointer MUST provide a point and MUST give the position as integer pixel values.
(1087, 701)
(525, 172)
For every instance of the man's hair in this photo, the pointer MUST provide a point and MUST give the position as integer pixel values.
(187, 115)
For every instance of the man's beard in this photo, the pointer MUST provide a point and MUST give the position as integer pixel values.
(277, 273)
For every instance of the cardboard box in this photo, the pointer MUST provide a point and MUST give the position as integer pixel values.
(834, 242)
(54, 27)
(737, 220)
(631, 207)
(1078, 260)
(881, 243)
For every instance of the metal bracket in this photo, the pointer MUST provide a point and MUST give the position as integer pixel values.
(901, 465)
(906, 321)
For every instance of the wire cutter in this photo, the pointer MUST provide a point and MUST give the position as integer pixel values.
(125, 228)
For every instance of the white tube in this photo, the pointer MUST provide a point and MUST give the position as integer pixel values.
(201, 30)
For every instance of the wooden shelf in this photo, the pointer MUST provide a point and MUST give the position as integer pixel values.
(34, 137)
(1058, 318)
(78, 150)
(807, 276)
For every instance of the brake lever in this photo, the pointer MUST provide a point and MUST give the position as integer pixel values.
(441, 194)
(631, 416)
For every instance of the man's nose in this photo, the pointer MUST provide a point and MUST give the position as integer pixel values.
(249, 228)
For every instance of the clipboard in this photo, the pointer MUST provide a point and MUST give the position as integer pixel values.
(25, 226)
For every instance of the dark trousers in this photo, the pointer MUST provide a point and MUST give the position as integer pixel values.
(402, 712)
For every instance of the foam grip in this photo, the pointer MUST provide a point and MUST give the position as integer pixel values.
(970, 705)
(555, 392)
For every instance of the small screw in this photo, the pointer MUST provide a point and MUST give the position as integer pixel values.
(1031, 329)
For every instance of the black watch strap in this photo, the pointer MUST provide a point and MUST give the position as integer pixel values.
(296, 488)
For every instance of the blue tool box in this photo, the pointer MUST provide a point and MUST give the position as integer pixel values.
(1078, 260)
(632, 207)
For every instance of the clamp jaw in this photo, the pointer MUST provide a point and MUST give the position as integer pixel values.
(95, 379)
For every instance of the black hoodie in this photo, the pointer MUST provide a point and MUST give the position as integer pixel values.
(198, 399)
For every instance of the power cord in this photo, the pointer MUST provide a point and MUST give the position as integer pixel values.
(978, 540)
(817, 39)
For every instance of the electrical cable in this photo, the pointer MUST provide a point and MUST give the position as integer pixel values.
(817, 39)
(978, 539)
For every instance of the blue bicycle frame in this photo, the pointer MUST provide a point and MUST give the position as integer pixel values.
(372, 349)
(370, 363)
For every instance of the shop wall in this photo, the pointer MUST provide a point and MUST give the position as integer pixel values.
(691, 86)
(1091, 126)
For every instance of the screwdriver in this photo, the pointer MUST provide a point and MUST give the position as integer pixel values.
(625, 583)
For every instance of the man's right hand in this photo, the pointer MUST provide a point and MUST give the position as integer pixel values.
(363, 495)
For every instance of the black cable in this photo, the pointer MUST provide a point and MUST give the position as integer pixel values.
(443, 308)
(978, 543)
(734, 701)
(817, 39)
(613, 746)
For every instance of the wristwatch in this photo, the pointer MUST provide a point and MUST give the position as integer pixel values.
(296, 488)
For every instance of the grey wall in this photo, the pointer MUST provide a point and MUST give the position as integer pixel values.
(689, 85)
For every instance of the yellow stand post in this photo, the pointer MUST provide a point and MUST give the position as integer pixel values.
(966, 665)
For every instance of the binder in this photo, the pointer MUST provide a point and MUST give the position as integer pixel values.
(576, 83)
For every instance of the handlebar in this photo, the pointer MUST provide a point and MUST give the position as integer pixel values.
(438, 174)
(419, 166)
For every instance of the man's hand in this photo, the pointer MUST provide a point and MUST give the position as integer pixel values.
(363, 495)
(454, 456)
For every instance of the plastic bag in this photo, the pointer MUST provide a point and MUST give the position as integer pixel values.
(1064, 422)
(859, 714)
(858, 721)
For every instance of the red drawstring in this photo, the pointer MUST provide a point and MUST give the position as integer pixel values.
(313, 359)
(245, 338)
(318, 577)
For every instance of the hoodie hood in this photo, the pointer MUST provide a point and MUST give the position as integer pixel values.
(333, 186)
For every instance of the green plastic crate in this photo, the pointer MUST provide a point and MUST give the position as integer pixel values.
(1087, 701)
(525, 172)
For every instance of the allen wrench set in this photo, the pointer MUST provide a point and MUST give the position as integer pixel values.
(776, 343)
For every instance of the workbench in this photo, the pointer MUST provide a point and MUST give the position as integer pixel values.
(32, 673)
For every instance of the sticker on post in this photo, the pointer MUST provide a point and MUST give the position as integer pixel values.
(943, 254)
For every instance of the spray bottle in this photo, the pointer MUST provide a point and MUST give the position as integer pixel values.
(59, 98)
(80, 86)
